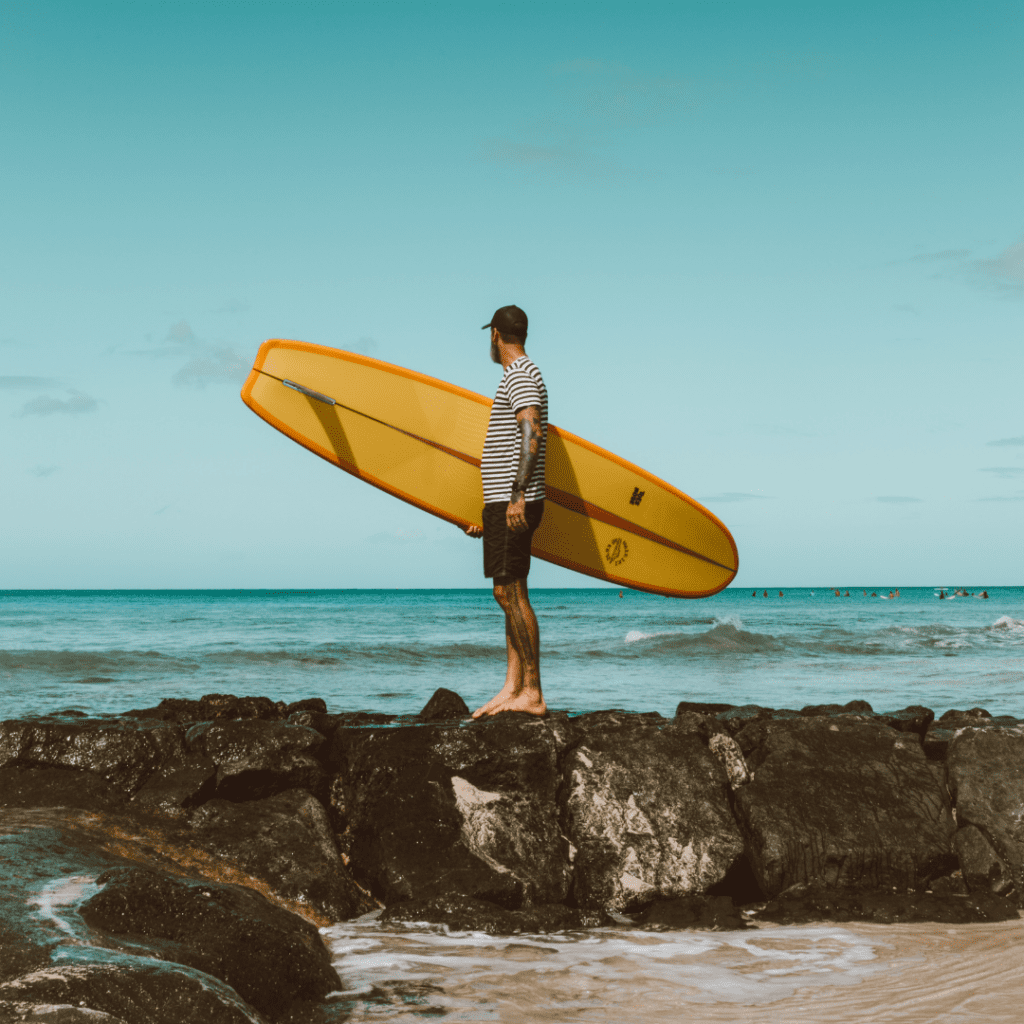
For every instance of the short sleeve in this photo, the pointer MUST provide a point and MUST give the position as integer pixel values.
(522, 391)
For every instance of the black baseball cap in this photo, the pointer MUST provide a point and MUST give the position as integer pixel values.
(509, 320)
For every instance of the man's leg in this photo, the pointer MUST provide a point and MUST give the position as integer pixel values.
(521, 691)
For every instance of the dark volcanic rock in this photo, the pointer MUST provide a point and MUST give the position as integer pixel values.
(270, 957)
(256, 759)
(940, 734)
(222, 706)
(699, 708)
(286, 841)
(711, 913)
(123, 753)
(57, 787)
(438, 810)
(464, 914)
(803, 904)
(148, 993)
(445, 704)
(841, 803)
(178, 785)
(985, 775)
(646, 811)
(982, 868)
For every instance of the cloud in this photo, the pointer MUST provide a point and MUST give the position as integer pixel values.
(943, 256)
(1007, 441)
(1003, 497)
(233, 307)
(35, 383)
(735, 496)
(1006, 270)
(896, 499)
(365, 346)
(43, 470)
(1005, 472)
(46, 406)
(207, 363)
(905, 307)
(218, 364)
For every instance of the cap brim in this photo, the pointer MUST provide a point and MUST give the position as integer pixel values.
(485, 326)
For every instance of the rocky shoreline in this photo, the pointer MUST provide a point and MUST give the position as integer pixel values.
(176, 862)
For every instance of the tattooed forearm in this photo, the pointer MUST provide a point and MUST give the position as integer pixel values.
(530, 435)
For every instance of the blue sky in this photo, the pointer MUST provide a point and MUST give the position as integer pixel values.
(772, 252)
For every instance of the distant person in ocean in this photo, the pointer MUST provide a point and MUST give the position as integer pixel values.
(512, 468)
(984, 594)
(766, 593)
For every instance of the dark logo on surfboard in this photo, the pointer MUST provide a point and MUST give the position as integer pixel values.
(638, 496)
(616, 551)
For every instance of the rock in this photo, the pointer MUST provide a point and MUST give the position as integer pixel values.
(711, 913)
(914, 718)
(222, 707)
(464, 914)
(256, 758)
(445, 810)
(803, 904)
(149, 992)
(57, 787)
(177, 786)
(855, 706)
(985, 775)
(940, 734)
(55, 1014)
(270, 957)
(319, 720)
(730, 757)
(647, 813)
(286, 842)
(841, 803)
(317, 704)
(445, 704)
(697, 708)
(123, 753)
(982, 868)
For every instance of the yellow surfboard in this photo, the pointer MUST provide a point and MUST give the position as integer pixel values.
(421, 439)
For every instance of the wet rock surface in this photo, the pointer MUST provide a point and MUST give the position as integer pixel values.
(805, 904)
(285, 841)
(270, 957)
(708, 913)
(465, 914)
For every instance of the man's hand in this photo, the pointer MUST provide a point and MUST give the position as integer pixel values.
(515, 514)
(473, 530)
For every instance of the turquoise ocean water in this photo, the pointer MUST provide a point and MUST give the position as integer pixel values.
(388, 650)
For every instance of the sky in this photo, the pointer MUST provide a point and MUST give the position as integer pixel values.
(773, 252)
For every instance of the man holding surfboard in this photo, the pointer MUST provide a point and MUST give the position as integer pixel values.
(512, 467)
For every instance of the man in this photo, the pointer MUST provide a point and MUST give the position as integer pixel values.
(512, 468)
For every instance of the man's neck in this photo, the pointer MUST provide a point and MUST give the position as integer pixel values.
(510, 353)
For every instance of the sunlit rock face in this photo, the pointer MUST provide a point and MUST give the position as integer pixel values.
(646, 810)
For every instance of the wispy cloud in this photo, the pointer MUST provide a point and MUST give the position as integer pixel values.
(1007, 442)
(33, 383)
(942, 256)
(79, 402)
(43, 470)
(1006, 270)
(735, 496)
(397, 537)
(207, 362)
(896, 499)
(1003, 497)
(1005, 472)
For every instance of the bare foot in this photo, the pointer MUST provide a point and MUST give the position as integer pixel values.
(529, 701)
(506, 693)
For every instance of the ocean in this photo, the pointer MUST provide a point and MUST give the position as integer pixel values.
(388, 650)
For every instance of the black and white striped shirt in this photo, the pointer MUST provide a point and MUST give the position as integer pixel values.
(521, 385)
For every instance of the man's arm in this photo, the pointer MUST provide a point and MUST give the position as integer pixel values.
(530, 435)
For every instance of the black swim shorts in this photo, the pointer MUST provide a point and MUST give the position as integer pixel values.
(507, 554)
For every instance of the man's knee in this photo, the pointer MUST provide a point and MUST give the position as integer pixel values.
(507, 590)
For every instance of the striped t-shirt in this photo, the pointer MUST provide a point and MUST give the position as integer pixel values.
(521, 385)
